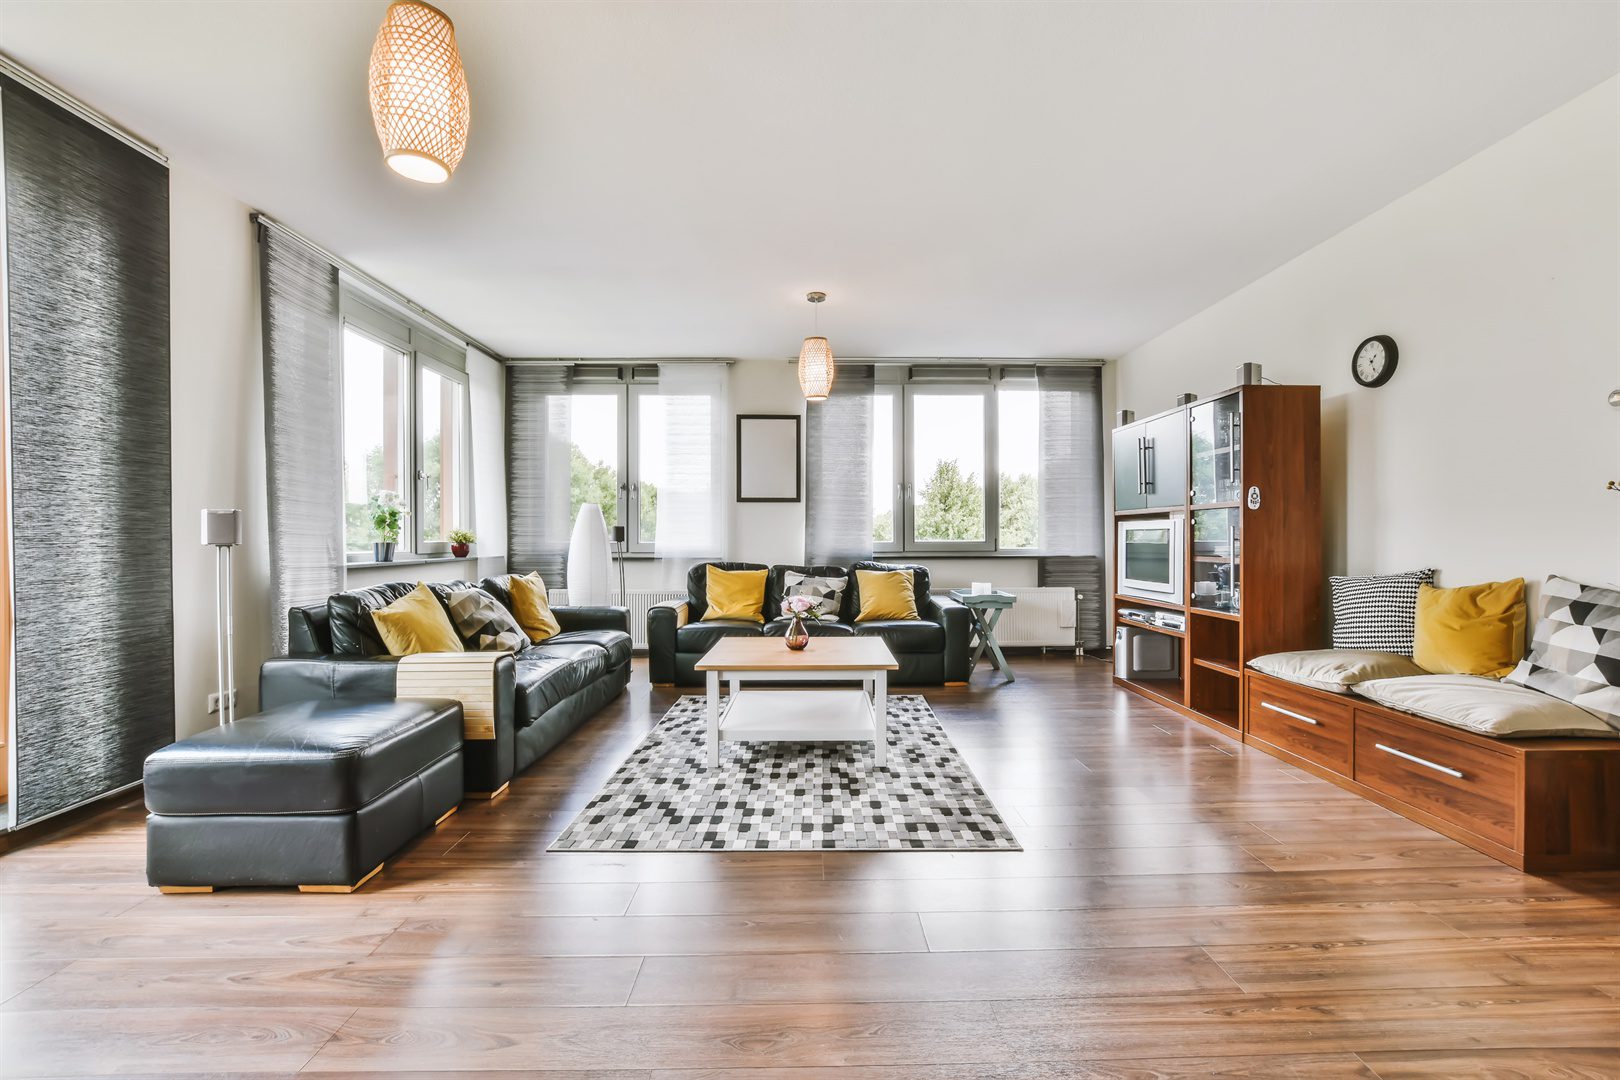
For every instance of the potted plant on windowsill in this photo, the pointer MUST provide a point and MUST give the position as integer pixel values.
(460, 542)
(386, 512)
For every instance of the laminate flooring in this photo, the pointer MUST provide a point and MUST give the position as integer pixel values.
(1184, 907)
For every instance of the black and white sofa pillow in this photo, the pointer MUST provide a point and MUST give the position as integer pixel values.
(483, 623)
(827, 592)
(1575, 650)
(1377, 613)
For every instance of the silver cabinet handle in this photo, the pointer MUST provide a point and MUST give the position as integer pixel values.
(1286, 712)
(1232, 451)
(1150, 467)
(1414, 759)
(1141, 465)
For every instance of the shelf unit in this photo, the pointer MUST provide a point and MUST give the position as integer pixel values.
(1261, 564)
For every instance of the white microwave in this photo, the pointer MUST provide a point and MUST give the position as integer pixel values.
(1151, 558)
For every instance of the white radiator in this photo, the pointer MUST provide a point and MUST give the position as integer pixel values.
(638, 601)
(1041, 617)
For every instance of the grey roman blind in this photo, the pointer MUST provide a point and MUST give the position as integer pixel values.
(1071, 504)
(86, 242)
(538, 472)
(298, 289)
(838, 471)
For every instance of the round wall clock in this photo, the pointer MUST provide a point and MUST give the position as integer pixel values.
(1373, 363)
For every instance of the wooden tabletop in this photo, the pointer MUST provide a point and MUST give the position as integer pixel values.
(822, 654)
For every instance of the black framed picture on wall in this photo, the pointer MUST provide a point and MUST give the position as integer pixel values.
(769, 463)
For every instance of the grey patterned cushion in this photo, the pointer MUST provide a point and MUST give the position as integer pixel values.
(1575, 651)
(827, 592)
(1376, 614)
(483, 623)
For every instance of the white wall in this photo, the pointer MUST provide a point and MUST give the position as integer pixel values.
(217, 398)
(1487, 454)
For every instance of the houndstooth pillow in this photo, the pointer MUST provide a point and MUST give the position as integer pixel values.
(1575, 651)
(1377, 613)
(483, 623)
(827, 592)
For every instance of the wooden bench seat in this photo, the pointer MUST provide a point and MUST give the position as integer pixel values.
(1535, 804)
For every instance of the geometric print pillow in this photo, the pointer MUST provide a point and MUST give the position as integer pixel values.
(1575, 652)
(484, 623)
(1377, 613)
(827, 592)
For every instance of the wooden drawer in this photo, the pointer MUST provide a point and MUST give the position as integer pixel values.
(1465, 784)
(1311, 724)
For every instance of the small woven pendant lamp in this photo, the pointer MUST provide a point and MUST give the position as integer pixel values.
(816, 369)
(419, 92)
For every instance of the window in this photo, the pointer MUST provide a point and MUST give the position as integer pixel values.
(375, 431)
(442, 402)
(405, 431)
(955, 467)
(1018, 455)
(617, 436)
(595, 454)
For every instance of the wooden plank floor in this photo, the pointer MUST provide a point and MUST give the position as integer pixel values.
(1185, 907)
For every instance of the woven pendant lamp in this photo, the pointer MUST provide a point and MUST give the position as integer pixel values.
(816, 368)
(419, 92)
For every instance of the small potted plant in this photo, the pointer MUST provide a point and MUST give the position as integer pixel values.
(796, 608)
(460, 539)
(386, 512)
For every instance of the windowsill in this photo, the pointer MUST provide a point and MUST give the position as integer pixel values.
(412, 560)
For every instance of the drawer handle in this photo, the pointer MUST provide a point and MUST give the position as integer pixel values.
(1418, 761)
(1286, 712)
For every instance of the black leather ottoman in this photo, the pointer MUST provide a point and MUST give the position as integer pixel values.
(315, 794)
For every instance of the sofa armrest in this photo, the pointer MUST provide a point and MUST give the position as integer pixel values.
(958, 624)
(663, 620)
(593, 618)
(487, 763)
(287, 680)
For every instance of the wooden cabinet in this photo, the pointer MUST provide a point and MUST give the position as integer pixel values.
(1150, 463)
(1535, 804)
(1301, 723)
(1243, 471)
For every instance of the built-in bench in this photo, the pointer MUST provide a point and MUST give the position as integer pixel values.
(1538, 804)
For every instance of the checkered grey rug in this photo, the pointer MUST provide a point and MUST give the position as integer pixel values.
(791, 796)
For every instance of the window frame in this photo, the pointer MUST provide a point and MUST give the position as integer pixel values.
(992, 518)
(899, 396)
(421, 363)
(422, 349)
(629, 392)
(1023, 385)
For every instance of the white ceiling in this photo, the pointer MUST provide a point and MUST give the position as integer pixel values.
(963, 179)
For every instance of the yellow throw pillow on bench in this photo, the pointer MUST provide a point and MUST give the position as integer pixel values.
(735, 594)
(1475, 630)
(416, 623)
(886, 594)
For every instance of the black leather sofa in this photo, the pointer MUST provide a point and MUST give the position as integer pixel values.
(929, 650)
(541, 694)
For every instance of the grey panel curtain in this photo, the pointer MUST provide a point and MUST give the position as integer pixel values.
(538, 438)
(838, 471)
(1071, 504)
(298, 290)
(87, 279)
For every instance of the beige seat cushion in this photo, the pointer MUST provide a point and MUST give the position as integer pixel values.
(1485, 706)
(1334, 670)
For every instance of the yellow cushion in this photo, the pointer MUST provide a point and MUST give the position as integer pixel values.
(886, 594)
(532, 607)
(416, 623)
(736, 594)
(1475, 630)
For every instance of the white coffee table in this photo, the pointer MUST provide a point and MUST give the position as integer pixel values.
(828, 714)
